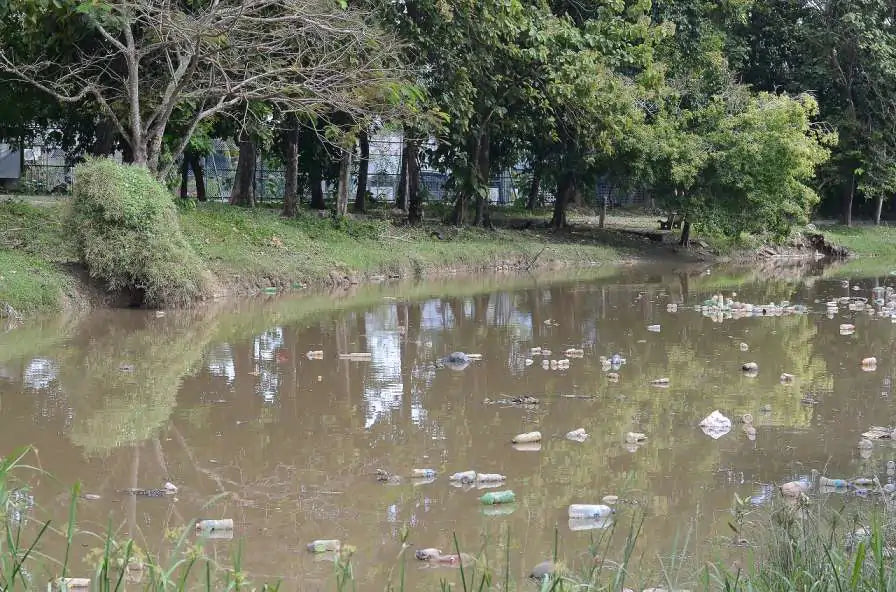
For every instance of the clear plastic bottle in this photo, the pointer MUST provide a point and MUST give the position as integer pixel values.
(323, 545)
(589, 511)
(423, 473)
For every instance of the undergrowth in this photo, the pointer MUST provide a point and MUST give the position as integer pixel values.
(129, 237)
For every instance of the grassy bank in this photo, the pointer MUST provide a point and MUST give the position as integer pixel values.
(247, 250)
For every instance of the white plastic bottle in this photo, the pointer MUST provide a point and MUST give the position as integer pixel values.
(589, 511)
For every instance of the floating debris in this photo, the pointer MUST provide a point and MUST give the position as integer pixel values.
(715, 425)
(635, 437)
(744, 347)
(212, 525)
(323, 545)
(524, 400)
(463, 477)
(847, 329)
(659, 382)
(498, 497)
(750, 368)
(423, 473)
(879, 433)
(610, 499)
(527, 438)
(357, 356)
(574, 353)
(315, 355)
(865, 444)
(654, 328)
(786, 378)
(578, 435)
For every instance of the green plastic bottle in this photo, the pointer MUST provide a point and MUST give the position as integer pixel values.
(498, 497)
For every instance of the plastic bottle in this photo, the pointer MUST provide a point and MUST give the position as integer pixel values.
(862, 481)
(423, 473)
(490, 478)
(323, 545)
(589, 510)
(498, 497)
(226, 524)
(463, 477)
(527, 437)
(825, 482)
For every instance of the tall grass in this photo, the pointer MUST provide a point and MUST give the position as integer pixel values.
(118, 563)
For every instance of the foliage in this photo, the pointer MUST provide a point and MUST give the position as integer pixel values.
(128, 235)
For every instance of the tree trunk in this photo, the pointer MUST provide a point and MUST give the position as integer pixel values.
(345, 169)
(363, 166)
(315, 178)
(848, 193)
(415, 198)
(534, 188)
(291, 174)
(184, 177)
(565, 188)
(104, 141)
(878, 208)
(243, 192)
(482, 174)
(198, 165)
(603, 212)
(127, 155)
(401, 201)
(685, 234)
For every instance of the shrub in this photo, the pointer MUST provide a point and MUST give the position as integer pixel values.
(128, 235)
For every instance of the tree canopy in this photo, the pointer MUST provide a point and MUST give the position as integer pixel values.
(741, 116)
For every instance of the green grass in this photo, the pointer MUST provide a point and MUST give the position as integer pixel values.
(865, 241)
(247, 250)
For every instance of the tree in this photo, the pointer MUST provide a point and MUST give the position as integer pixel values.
(363, 165)
(302, 55)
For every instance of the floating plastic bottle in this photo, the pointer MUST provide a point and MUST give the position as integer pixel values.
(653, 328)
(463, 477)
(423, 473)
(323, 545)
(589, 511)
(498, 497)
(862, 482)
(527, 438)
(225, 524)
(825, 482)
(601, 523)
(490, 478)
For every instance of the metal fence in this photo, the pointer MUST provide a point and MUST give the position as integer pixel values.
(46, 171)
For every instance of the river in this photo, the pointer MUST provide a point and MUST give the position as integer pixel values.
(225, 400)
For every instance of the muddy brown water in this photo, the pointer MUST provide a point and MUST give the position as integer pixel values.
(224, 400)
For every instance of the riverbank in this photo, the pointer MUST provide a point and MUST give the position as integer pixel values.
(250, 250)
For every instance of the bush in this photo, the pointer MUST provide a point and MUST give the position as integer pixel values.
(128, 235)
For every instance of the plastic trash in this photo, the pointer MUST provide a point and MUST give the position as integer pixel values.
(529, 361)
(463, 477)
(891, 467)
(356, 356)
(794, 488)
(542, 570)
(746, 418)
(659, 382)
(546, 352)
(589, 511)
(535, 351)
(578, 435)
(750, 431)
(879, 433)
(323, 545)
(428, 554)
(835, 483)
(498, 497)
(847, 329)
(715, 425)
(613, 376)
(527, 438)
(635, 437)
(862, 482)
(577, 524)
(869, 364)
(654, 328)
(490, 478)
(528, 446)
(423, 473)
(610, 499)
(64, 584)
(786, 378)
(225, 524)
(672, 307)
(574, 353)
(315, 355)
(750, 367)
(744, 347)
(865, 444)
